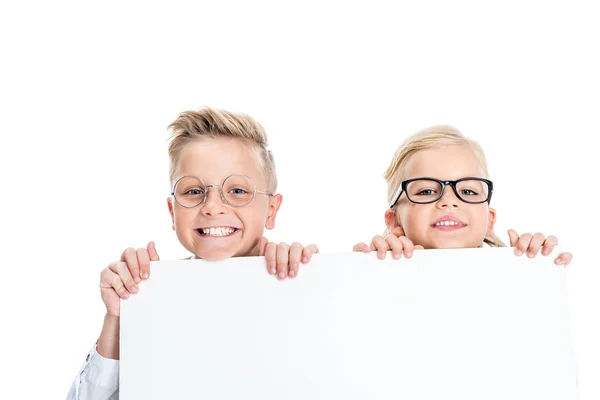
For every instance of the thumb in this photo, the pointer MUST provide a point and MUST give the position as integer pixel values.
(513, 236)
(262, 246)
(361, 247)
(152, 252)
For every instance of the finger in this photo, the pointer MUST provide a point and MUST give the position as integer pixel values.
(262, 246)
(419, 247)
(549, 245)
(283, 252)
(361, 247)
(395, 244)
(122, 269)
(563, 259)
(309, 251)
(513, 237)
(130, 257)
(408, 246)
(294, 259)
(535, 245)
(380, 245)
(143, 259)
(106, 276)
(270, 257)
(111, 280)
(523, 244)
(153, 254)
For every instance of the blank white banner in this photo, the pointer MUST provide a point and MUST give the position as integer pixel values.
(447, 324)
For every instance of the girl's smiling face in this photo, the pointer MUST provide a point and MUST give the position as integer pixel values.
(470, 223)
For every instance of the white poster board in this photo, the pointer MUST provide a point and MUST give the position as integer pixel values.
(446, 324)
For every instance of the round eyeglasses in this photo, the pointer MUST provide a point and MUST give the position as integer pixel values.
(430, 190)
(236, 190)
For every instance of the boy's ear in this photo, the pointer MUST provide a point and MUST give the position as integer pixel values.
(274, 204)
(170, 205)
(391, 221)
(491, 221)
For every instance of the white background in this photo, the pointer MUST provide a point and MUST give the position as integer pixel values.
(87, 90)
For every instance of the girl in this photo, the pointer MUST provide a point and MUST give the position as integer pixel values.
(439, 194)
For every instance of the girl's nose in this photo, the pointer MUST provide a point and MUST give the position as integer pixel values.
(448, 199)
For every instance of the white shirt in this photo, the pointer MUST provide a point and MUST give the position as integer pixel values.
(98, 379)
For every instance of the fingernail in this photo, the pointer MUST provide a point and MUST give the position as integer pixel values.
(395, 256)
(134, 289)
(557, 261)
(282, 275)
(305, 259)
(137, 279)
(126, 295)
(530, 254)
(518, 252)
(292, 274)
(146, 275)
(409, 254)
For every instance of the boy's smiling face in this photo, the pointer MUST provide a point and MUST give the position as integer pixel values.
(472, 222)
(212, 160)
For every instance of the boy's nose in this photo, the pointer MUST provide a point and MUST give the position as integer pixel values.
(213, 204)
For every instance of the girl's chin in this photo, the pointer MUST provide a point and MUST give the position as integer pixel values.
(449, 244)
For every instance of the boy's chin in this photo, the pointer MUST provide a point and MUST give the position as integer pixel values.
(216, 254)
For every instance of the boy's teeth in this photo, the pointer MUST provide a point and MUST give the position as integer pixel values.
(217, 231)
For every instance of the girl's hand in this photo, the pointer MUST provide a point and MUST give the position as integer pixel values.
(531, 245)
(397, 245)
(284, 260)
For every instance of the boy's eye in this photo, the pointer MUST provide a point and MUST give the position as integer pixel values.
(194, 192)
(468, 192)
(237, 191)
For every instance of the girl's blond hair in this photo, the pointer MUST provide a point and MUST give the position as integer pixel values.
(427, 138)
(213, 123)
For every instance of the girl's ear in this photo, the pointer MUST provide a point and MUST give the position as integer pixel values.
(391, 221)
(491, 221)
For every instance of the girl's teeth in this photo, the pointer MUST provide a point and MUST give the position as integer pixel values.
(447, 223)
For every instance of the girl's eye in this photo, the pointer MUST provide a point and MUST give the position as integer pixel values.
(426, 192)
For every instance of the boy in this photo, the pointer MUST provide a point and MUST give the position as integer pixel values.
(223, 197)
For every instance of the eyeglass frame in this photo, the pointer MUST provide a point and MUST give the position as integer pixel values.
(206, 187)
(405, 183)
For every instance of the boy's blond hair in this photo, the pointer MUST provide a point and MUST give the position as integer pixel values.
(427, 138)
(213, 123)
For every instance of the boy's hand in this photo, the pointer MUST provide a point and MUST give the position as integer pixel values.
(381, 244)
(120, 279)
(283, 259)
(531, 244)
